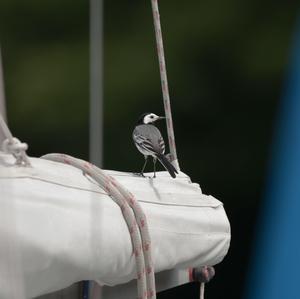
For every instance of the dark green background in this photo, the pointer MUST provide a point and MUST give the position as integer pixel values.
(226, 63)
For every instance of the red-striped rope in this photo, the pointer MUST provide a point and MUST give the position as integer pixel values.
(164, 83)
(134, 218)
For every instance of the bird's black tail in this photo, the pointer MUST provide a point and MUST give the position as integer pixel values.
(167, 165)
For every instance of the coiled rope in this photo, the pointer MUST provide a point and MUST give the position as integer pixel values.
(133, 215)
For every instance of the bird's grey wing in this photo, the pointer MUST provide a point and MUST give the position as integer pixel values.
(149, 138)
(142, 142)
(156, 139)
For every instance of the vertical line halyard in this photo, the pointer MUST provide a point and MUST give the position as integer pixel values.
(164, 83)
(7, 141)
(2, 100)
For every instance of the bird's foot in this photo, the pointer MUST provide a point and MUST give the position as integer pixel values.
(139, 174)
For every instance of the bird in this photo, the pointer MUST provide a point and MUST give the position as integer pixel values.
(149, 141)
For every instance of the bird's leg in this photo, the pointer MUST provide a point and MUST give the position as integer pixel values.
(142, 171)
(154, 167)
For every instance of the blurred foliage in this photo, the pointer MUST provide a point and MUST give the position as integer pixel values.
(226, 63)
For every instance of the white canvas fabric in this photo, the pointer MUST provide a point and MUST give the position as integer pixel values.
(68, 229)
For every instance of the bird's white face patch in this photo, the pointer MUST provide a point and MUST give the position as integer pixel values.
(150, 118)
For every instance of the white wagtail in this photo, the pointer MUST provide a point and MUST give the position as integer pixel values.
(148, 140)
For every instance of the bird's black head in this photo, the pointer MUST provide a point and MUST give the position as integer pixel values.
(148, 118)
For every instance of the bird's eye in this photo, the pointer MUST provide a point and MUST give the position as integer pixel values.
(151, 116)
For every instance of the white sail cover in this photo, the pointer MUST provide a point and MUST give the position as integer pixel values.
(58, 226)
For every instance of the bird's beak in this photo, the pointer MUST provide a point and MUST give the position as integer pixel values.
(161, 117)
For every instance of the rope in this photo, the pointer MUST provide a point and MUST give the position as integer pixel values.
(202, 286)
(14, 146)
(164, 84)
(202, 275)
(134, 218)
(2, 95)
(11, 145)
(208, 272)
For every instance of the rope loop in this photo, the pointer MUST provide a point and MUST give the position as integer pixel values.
(17, 148)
